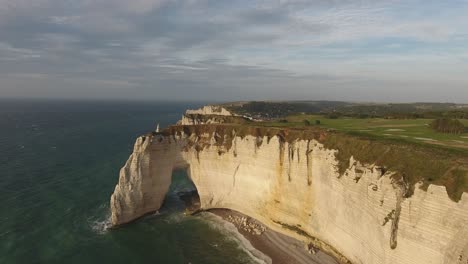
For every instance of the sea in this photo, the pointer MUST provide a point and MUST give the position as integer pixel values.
(59, 164)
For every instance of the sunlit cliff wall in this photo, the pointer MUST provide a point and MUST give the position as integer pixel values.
(361, 216)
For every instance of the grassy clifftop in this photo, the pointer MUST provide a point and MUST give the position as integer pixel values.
(412, 163)
(202, 119)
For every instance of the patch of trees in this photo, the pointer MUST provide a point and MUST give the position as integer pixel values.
(308, 123)
(272, 110)
(276, 110)
(404, 116)
(459, 114)
(447, 125)
(333, 115)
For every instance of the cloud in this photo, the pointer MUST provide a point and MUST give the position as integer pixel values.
(237, 49)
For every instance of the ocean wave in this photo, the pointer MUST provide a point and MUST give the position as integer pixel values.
(174, 217)
(102, 224)
(231, 232)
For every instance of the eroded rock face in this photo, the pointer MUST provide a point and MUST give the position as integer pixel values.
(294, 188)
(210, 110)
(144, 180)
(210, 114)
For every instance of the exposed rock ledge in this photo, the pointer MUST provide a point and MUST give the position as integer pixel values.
(360, 216)
(209, 115)
(210, 110)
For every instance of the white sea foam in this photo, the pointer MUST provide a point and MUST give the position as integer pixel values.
(100, 226)
(231, 231)
(175, 217)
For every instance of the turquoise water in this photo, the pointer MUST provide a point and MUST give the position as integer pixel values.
(59, 163)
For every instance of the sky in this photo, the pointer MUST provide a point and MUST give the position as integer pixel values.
(215, 50)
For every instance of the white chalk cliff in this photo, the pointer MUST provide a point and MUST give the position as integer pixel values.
(210, 110)
(208, 114)
(295, 188)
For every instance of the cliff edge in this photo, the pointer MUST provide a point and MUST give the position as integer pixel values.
(345, 195)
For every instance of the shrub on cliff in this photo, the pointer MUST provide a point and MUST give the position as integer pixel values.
(333, 115)
(447, 125)
(308, 123)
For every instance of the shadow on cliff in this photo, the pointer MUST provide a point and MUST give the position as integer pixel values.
(182, 195)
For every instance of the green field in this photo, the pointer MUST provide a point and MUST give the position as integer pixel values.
(411, 130)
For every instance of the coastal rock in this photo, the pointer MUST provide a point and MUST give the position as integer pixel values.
(361, 216)
(193, 117)
(246, 224)
(311, 248)
(210, 110)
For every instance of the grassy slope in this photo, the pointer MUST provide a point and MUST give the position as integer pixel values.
(411, 130)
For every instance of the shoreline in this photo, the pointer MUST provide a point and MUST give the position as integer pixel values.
(280, 248)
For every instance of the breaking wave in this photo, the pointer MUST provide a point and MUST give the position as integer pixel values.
(102, 224)
(231, 232)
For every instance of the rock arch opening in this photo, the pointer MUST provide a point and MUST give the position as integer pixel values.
(184, 190)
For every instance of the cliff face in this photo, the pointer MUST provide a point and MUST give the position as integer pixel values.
(210, 110)
(361, 216)
(208, 115)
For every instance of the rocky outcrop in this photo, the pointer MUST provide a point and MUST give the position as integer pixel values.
(197, 119)
(210, 110)
(362, 215)
(210, 114)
